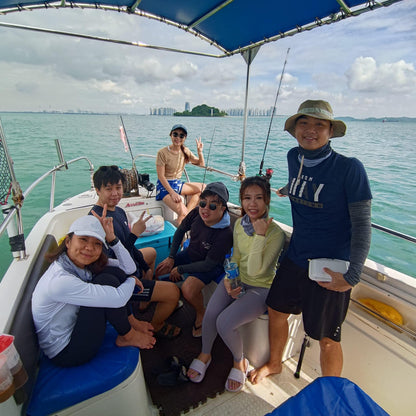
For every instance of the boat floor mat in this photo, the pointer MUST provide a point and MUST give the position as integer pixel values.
(185, 395)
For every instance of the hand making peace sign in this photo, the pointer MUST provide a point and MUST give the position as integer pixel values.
(140, 225)
(199, 145)
(107, 223)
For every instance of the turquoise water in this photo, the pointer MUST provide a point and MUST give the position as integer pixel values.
(386, 149)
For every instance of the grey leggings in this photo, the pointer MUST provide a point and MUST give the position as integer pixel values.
(224, 315)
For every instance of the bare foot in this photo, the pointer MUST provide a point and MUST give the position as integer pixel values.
(141, 326)
(135, 338)
(258, 374)
(201, 357)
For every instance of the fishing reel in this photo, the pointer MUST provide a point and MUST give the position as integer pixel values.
(144, 180)
(268, 175)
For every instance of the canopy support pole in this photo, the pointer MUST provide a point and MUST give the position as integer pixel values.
(248, 56)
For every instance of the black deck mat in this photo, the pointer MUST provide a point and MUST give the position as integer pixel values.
(173, 400)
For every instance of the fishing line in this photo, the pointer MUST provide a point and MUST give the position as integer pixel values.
(273, 112)
(209, 152)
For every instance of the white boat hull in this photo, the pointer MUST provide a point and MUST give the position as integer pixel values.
(378, 358)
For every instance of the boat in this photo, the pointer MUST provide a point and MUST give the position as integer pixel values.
(379, 351)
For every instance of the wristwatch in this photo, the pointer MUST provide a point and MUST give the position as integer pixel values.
(114, 242)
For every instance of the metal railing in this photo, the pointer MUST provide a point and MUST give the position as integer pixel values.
(15, 209)
(64, 165)
(237, 177)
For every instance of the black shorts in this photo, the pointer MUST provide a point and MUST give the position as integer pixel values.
(146, 294)
(323, 310)
(148, 285)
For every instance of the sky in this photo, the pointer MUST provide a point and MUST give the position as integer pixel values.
(364, 66)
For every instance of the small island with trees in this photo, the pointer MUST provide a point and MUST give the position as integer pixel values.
(202, 111)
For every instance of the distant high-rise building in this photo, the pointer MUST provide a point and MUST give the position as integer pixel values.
(162, 111)
(187, 106)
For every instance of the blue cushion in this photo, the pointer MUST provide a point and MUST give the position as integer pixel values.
(57, 388)
(335, 396)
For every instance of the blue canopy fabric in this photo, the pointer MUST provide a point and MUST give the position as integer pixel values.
(335, 396)
(230, 25)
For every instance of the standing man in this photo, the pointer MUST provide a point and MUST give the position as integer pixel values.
(331, 209)
(108, 183)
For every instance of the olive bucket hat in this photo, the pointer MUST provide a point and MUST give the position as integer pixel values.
(318, 109)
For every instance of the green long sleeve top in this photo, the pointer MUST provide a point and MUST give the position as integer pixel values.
(257, 255)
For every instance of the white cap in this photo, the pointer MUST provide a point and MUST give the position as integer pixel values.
(88, 226)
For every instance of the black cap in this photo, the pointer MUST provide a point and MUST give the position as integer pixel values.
(219, 189)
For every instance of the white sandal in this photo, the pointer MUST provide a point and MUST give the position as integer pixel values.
(238, 376)
(199, 367)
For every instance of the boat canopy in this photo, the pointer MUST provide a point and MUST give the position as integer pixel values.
(233, 26)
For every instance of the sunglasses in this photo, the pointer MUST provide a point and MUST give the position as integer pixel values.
(212, 206)
(105, 168)
(181, 135)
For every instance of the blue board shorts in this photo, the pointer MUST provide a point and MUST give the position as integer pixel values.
(161, 192)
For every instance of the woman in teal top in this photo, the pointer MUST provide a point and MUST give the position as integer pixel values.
(257, 244)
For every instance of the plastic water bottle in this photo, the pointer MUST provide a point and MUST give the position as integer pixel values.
(233, 275)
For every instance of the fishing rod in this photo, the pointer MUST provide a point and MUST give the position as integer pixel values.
(125, 140)
(142, 179)
(209, 152)
(270, 171)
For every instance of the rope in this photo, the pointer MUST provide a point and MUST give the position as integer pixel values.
(130, 182)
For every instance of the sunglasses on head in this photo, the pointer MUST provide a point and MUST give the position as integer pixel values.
(181, 135)
(105, 168)
(212, 206)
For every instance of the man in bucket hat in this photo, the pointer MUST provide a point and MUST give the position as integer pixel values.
(331, 210)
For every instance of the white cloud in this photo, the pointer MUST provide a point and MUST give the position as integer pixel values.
(184, 69)
(369, 59)
(392, 78)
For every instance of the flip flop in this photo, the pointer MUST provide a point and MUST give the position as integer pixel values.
(167, 331)
(175, 373)
(238, 376)
(173, 378)
(200, 367)
(196, 328)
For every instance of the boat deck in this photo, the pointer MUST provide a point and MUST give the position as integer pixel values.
(261, 398)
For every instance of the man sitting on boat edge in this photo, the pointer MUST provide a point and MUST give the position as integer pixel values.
(202, 261)
(331, 209)
(108, 183)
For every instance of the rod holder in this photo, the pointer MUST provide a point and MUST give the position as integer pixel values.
(60, 153)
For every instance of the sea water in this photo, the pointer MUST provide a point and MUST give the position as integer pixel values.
(386, 150)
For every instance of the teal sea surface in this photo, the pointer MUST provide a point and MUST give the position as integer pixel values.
(386, 150)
